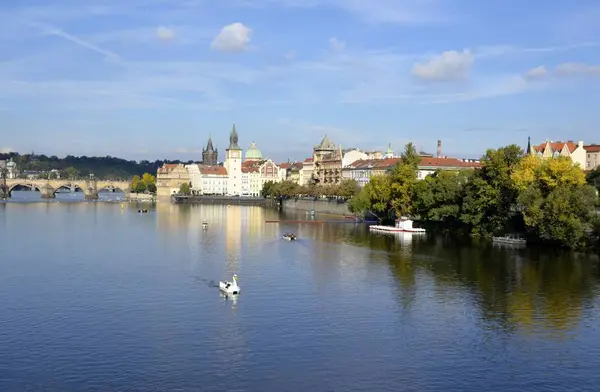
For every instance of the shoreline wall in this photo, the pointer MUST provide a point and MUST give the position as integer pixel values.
(140, 197)
(320, 206)
(223, 200)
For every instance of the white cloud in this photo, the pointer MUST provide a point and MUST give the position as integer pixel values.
(577, 69)
(563, 70)
(164, 33)
(232, 38)
(536, 73)
(6, 150)
(449, 66)
(336, 45)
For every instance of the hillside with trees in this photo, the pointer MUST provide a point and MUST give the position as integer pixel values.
(73, 167)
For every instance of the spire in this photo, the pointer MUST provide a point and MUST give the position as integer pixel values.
(209, 145)
(233, 139)
(529, 145)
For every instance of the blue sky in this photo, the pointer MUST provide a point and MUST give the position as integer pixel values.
(147, 79)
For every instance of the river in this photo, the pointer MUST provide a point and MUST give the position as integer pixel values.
(94, 297)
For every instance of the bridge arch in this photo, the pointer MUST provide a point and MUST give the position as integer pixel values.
(25, 184)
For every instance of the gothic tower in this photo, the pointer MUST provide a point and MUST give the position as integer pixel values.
(210, 154)
(233, 164)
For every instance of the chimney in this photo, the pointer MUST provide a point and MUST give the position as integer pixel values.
(439, 149)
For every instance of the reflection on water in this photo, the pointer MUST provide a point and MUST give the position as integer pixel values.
(110, 299)
(527, 290)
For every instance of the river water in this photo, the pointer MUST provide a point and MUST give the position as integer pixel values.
(94, 297)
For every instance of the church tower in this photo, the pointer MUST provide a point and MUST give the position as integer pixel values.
(233, 164)
(210, 155)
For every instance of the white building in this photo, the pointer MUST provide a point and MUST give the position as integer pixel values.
(306, 172)
(352, 156)
(215, 180)
(233, 165)
(195, 178)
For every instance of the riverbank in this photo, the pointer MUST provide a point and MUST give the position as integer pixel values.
(143, 197)
(333, 207)
(223, 200)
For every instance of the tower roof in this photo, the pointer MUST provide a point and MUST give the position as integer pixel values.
(325, 144)
(253, 153)
(209, 145)
(233, 139)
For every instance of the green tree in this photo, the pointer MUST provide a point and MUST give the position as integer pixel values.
(403, 178)
(71, 173)
(347, 188)
(184, 189)
(150, 181)
(268, 189)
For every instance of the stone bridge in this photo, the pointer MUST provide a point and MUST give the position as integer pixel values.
(48, 188)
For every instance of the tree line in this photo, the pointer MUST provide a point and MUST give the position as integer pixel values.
(346, 189)
(74, 167)
(547, 200)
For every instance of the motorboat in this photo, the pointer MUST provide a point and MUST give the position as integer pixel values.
(289, 237)
(230, 287)
(205, 225)
(402, 225)
(143, 211)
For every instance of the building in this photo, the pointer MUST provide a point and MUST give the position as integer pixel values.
(306, 172)
(215, 180)
(257, 173)
(210, 155)
(551, 149)
(233, 164)
(352, 155)
(361, 171)
(592, 160)
(327, 160)
(170, 177)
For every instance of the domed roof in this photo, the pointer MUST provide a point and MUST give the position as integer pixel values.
(253, 153)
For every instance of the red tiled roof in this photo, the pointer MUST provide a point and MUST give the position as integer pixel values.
(380, 164)
(167, 167)
(308, 160)
(447, 162)
(592, 148)
(212, 170)
(250, 169)
(285, 165)
(556, 146)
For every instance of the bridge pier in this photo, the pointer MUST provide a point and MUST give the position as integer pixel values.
(90, 195)
(47, 192)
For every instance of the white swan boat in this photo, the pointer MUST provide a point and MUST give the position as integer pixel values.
(230, 287)
(402, 225)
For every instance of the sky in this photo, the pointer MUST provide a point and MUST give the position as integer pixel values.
(153, 79)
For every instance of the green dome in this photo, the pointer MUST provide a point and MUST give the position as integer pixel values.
(253, 153)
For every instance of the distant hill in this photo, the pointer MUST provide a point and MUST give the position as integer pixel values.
(72, 167)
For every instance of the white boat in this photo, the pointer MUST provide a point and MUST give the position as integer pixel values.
(402, 225)
(230, 287)
(204, 225)
(509, 239)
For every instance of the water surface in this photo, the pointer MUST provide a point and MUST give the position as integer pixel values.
(96, 298)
